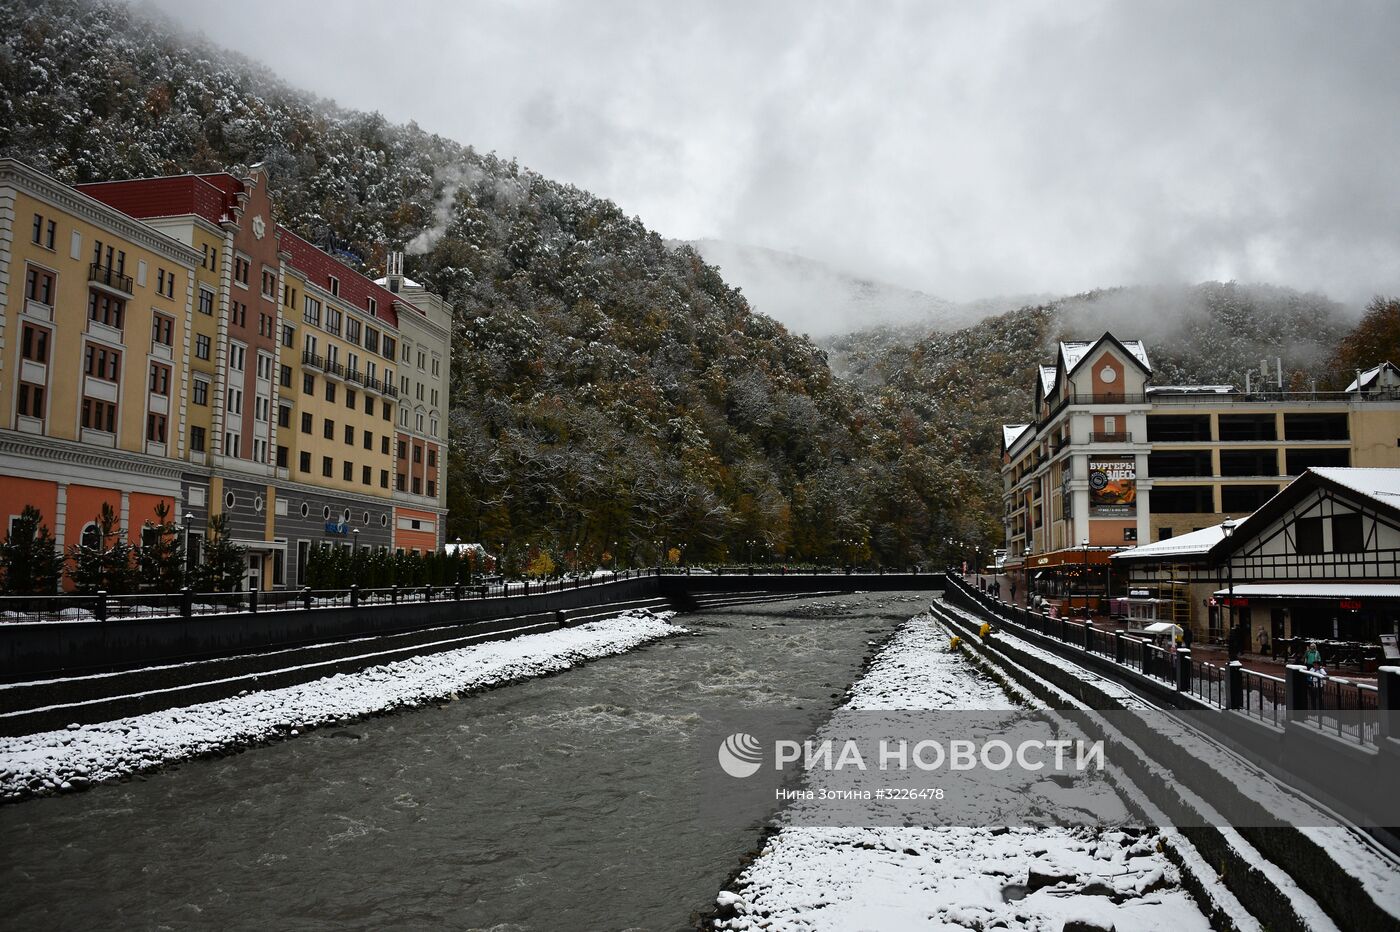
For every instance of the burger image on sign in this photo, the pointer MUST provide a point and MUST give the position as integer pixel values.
(1113, 487)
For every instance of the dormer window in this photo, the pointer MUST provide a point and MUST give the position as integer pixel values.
(334, 285)
(373, 307)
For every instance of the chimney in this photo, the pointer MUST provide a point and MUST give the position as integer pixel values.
(394, 273)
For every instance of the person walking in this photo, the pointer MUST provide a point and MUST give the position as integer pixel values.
(1313, 657)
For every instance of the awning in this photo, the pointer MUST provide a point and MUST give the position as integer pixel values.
(1342, 590)
(1078, 556)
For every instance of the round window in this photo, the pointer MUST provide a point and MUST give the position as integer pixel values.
(366, 518)
(326, 512)
(258, 503)
(305, 509)
(1108, 374)
(345, 515)
(230, 501)
(384, 520)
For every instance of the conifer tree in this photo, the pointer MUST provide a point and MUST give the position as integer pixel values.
(224, 561)
(102, 561)
(30, 563)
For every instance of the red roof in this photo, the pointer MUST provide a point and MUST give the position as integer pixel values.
(209, 196)
(355, 289)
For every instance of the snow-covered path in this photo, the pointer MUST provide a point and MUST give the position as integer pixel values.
(59, 760)
(891, 878)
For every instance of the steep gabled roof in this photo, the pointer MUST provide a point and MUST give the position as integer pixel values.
(1010, 433)
(1379, 488)
(1047, 380)
(1072, 354)
(1373, 375)
(1186, 548)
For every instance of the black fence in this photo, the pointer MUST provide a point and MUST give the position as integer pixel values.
(1335, 705)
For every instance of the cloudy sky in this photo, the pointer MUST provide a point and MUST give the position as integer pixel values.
(965, 149)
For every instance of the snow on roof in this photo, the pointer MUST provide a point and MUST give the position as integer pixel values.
(1195, 544)
(1047, 380)
(384, 282)
(1380, 484)
(1073, 352)
(1010, 433)
(1341, 590)
(1191, 389)
(1369, 377)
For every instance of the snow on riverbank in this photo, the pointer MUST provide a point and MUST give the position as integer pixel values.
(894, 878)
(61, 760)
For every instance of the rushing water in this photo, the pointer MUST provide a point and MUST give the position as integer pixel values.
(558, 803)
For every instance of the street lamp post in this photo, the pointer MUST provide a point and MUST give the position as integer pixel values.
(189, 530)
(1026, 571)
(1085, 544)
(1227, 527)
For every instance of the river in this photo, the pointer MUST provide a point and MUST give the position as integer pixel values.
(563, 802)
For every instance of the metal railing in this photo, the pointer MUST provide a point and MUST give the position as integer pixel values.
(106, 275)
(1112, 436)
(1337, 706)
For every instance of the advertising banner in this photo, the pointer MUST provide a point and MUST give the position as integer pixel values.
(1112, 487)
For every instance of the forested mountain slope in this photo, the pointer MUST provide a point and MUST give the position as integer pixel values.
(606, 387)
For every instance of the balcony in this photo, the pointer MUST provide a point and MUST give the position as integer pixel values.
(108, 277)
(309, 358)
(1115, 436)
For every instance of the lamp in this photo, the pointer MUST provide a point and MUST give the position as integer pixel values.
(1227, 529)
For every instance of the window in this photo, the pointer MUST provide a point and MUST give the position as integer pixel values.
(328, 429)
(34, 344)
(201, 346)
(39, 286)
(417, 453)
(99, 415)
(371, 339)
(402, 482)
(333, 318)
(311, 311)
(289, 335)
(1307, 533)
(240, 270)
(432, 489)
(211, 258)
(269, 284)
(165, 282)
(1315, 427)
(435, 400)
(30, 400)
(350, 398)
(235, 401)
(155, 428)
(369, 404)
(106, 309)
(327, 466)
(44, 230)
(432, 457)
(1347, 534)
(403, 450)
(206, 301)
(265, 328)
(259, 456)
(373, 306)
(385, 409)
(238, 314)
(109, 257)
(284, 377)
(330, 391)
(160, 379)
(233, 445)
(308, 383)
(347, 472)
(1164, 533)
(437, 367)
(422, 360)
(1241, 499)
(383, 478)
(262, 408)
(369, 441)
(201, 392)
(390, 347)
(366, 476)
(304, 461)
(237, 357)
(102, 363)
(306, 422)
(334, 284)
(1182, 499)
(352, 330)
(384, 445)
(417, 486)
(265, 367)
(349, 435)
(162, 329)
(284, 416)
(197, 439)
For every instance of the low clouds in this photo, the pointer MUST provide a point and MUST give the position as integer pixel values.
(960, 149)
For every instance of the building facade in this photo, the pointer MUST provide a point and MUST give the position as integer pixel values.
(1321, 560)
(225, 366)
(1111, 461)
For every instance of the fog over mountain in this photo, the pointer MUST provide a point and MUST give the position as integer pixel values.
(819, 299)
